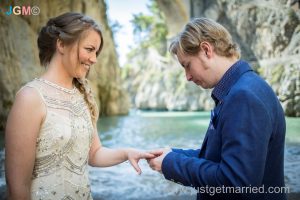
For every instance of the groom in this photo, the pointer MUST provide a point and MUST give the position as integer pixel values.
(242, 153)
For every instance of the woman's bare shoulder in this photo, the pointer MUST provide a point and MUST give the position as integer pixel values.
(26, 114)
(28, 95)
(29, 99)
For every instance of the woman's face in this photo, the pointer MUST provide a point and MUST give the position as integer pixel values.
(79, 58)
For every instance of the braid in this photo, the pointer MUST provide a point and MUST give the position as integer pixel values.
(83, 87)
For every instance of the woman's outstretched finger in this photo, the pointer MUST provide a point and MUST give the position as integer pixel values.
(135, 165)
(156, 152)
(147, 155)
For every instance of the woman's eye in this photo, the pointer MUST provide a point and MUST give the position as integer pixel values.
(89, 49)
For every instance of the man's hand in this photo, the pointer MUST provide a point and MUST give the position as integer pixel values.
(134, 156)
(155, 163)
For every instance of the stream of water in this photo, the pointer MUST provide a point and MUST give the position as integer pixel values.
(151, 130)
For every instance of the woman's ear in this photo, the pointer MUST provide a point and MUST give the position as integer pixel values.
(60, 46)
(207, 48)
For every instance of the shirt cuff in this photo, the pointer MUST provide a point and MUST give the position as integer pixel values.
(167, 164)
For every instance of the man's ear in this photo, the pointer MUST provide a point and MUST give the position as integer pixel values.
(60, 46)
(207, 48)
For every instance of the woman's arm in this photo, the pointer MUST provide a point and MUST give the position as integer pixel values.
(22, 129)
(100, 156)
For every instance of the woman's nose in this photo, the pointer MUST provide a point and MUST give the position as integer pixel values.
(93, 58)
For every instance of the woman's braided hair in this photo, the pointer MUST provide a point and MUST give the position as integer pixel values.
(69, 28)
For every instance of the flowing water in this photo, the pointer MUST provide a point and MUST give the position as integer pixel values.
(151, 130)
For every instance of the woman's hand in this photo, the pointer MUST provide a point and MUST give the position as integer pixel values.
(134, 155)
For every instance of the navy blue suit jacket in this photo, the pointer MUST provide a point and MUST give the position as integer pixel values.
(244, 143)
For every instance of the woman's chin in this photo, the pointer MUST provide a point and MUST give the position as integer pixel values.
(83, 74)
(80, 76)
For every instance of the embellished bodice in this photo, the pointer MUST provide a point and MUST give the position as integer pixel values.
(62, 147)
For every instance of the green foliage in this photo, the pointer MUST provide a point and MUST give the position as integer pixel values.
(115, 27)
(150, 30)
(277, 72)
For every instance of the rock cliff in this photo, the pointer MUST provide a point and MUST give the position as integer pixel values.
(268, 33)
(19, 61)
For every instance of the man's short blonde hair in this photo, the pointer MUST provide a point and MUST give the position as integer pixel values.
(203, 29)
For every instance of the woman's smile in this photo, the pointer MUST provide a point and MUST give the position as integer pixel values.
(86, 66)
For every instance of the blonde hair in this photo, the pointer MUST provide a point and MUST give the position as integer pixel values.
(69, 27)
(83, 87)
(203, 29)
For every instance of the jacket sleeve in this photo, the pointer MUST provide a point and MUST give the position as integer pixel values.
(188, 152)
(245, 129)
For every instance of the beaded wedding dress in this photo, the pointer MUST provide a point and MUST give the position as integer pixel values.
(62, 147)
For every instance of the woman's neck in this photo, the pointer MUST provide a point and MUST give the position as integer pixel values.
(57, 74)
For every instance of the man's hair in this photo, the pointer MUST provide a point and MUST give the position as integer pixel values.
(204, 30)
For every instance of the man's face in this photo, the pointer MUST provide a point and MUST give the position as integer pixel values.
(197, 69)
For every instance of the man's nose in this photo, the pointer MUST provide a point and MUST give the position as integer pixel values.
(189, 77)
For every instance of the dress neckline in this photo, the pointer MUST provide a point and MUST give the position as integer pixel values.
(70, 91)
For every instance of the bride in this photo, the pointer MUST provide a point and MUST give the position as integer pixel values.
(51, 133)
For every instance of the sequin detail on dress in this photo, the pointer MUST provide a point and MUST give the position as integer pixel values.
(62, 147)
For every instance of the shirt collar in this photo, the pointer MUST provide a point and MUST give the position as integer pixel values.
(229, 78)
